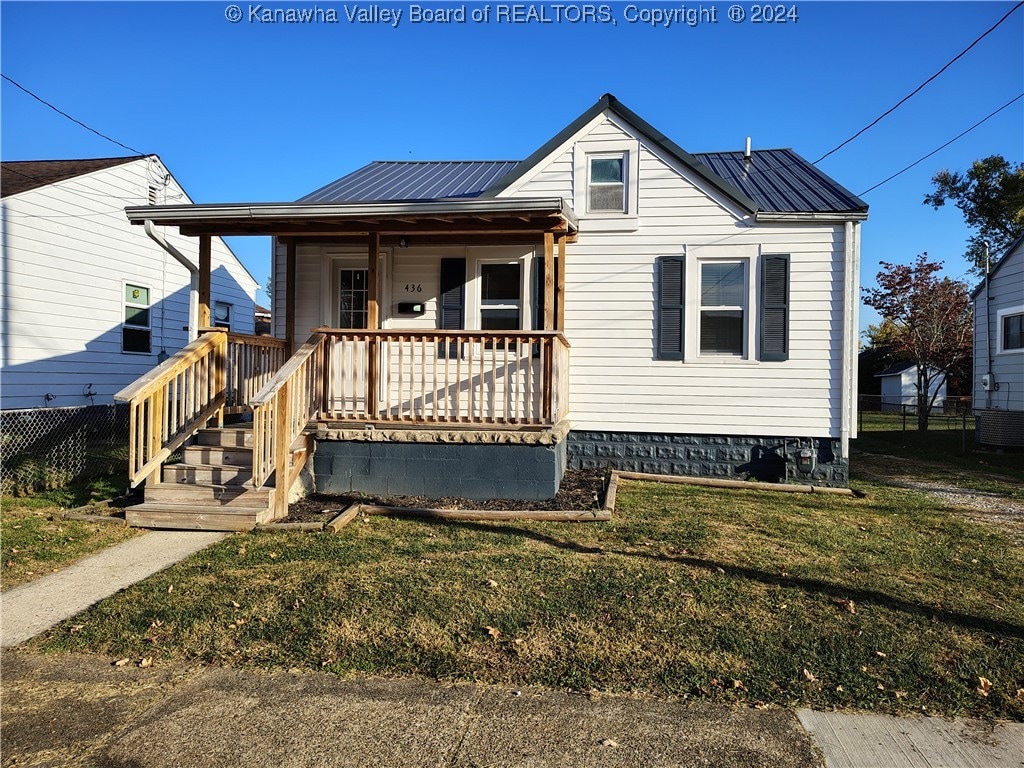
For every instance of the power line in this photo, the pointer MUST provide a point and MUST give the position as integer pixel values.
(959, 136)
(79, 122)
(922, 85)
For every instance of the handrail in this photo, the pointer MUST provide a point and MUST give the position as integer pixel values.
(281, 411)
(172, 402)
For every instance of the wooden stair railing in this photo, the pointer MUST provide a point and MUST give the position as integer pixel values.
(173, 401)
(281, 411)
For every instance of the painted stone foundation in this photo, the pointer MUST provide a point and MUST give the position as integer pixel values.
(739, 458)
(406, 464)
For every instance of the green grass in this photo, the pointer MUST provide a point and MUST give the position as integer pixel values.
(34, 541)
(886, 603)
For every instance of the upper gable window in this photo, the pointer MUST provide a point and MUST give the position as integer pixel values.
(607, 184)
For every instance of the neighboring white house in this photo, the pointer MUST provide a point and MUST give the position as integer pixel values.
(89, 303)
(999, 350)
(900, 387)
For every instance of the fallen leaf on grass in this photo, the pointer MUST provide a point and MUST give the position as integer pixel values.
(1020, 693)
(879, 653)
(609, 743)
(146, 663)
(170, 589)
(77, 628)
(492, 584)
(739, 684)
(122, 662)
(809, 677)
(848, 605)
(494, 632)
(235, 605)
(984, 684)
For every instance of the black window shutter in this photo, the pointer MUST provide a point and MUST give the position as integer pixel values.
(453, 294)
(775, 307)
(453, 303)
(670, 308)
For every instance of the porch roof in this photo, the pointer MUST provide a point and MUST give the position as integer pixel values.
(443, 216)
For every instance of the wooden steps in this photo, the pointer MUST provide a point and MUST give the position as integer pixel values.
(210, 489)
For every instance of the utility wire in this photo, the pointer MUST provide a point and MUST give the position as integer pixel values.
(959, 136)
(922, 85)
(79, 122)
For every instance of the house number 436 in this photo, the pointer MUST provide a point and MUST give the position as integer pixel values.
(414, 287)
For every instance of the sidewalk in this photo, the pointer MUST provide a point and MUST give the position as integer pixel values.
(71, 710)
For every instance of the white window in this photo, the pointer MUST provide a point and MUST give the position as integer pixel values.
(222, 315)
(135, 333)
(501, 296)
(606, 188)
(606, 182)
(1010, 324)
(723, 308)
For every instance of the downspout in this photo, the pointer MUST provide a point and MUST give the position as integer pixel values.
(988, 325)
(847, 386)
(193, 291)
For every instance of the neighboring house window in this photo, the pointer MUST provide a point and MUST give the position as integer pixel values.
(501, 297)
(722, 313)
(135, 333)
(1012, 332)
(354, 298)
(221, 315)
(607, 183)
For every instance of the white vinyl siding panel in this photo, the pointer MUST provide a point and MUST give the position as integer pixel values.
(1007, 291)
(68, 252)
(616, 380)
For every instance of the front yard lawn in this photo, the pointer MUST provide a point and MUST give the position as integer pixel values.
(886, 603)
(35, 540)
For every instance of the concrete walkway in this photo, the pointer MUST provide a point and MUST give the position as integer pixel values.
(72, 710)
(31, 608)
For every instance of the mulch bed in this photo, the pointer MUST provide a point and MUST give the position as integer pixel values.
(581, 489)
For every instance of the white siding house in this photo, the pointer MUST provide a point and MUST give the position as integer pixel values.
(999, 350)
(474, 328)
(89, 303)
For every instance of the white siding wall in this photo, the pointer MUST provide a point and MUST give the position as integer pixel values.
(1007, 291)
(610, 315)
(68, 250)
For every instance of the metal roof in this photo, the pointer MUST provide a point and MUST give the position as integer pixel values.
(413, 180)
(780, 181)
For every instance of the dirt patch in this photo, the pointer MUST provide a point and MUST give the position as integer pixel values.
(581, 489)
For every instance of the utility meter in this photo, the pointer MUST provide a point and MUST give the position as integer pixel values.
(806, 460)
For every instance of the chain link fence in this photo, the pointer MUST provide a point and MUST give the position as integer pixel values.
(50, 448)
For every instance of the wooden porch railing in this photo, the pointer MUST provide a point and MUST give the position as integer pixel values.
(282, 409)
(185, 392)
(517, 378)
(172, 401)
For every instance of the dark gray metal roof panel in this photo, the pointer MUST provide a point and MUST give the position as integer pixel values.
(780, 181)
(413, 180)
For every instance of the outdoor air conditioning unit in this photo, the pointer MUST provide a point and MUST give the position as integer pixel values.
(1000, 429)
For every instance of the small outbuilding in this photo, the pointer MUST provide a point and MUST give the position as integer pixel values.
(900, 387)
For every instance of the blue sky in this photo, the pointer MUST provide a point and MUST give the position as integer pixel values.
(249, 111)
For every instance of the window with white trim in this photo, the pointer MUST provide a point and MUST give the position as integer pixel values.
(136, 334)
(723, 307)
(501, 296)
(606, 183)
(1011, 332)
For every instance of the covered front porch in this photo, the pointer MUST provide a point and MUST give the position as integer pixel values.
(479, 349)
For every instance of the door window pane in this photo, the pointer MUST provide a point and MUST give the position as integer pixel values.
(353, 298)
